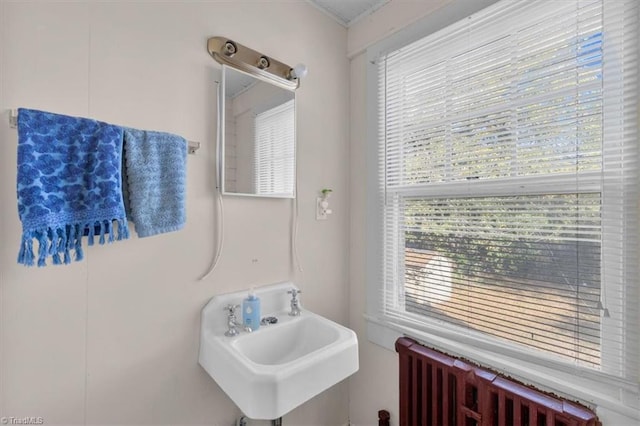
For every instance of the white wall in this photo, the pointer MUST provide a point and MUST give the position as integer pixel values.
(114, 339)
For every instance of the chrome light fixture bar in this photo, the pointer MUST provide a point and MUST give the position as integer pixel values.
(228, 52)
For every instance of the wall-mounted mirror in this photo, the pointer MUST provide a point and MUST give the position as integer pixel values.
(258, 136)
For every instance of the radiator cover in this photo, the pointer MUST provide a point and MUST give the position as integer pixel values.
(439, 390)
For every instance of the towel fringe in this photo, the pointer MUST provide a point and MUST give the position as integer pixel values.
(59, 236)
(71, 236)
(71, 239)
(43, 247)
(51, 236)
(91, 226)
(29, 253)
(78, 242)
(25, 255)
(56, 245)
(101, 241)
(123, 229)
(61, 241)
(110, 231)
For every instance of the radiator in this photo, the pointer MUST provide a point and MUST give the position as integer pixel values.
(438, 390)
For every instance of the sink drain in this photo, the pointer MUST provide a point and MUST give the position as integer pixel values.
(268, 320)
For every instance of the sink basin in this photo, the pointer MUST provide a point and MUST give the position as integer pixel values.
(290, 341)
(271, 371)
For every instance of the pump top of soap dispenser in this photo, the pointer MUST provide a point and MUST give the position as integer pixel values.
(252, 294)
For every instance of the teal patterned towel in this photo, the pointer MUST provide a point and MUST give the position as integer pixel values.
(69, 184)
(156, 181)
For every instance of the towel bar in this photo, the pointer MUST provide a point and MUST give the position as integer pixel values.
(13, 123)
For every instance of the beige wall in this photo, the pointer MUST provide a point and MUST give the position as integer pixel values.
(375, 385)
(394, 16)
(114, 339)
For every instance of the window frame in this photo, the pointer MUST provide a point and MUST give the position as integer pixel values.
(594, 388)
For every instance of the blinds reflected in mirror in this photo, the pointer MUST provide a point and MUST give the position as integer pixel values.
(274, 144)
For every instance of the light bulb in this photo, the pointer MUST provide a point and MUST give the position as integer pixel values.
(299, 71)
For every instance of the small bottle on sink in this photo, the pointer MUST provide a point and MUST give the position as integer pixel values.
(251, 311)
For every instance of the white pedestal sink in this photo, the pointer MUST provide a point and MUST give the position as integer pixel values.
(271, 371)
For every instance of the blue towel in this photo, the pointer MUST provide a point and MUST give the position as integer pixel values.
(155, 164)
(69, 184)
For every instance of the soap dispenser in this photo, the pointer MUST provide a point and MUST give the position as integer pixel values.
(251, 311)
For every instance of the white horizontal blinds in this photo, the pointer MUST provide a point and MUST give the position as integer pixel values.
(480, 112)
(524, 268)
(275, 133)
(497, 166)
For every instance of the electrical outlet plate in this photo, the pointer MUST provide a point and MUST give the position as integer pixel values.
(321, 213)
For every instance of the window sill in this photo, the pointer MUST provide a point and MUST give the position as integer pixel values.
(621, 398)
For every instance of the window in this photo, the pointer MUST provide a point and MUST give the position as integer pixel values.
(274, 133)
(507, 171)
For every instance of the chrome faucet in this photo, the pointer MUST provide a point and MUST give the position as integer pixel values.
(232, 322)
(295, 302)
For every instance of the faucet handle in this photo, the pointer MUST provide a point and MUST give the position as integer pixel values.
(294, 292)
(295, 303)
(231, 309)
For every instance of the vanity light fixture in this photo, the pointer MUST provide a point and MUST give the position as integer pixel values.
(228, 52)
